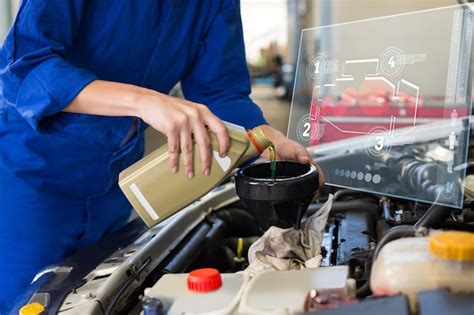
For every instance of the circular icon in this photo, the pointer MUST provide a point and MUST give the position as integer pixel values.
(305, 130)
(449, 190)
(377, 179)
(317, 68)
(392, 61)
(368, 177)
(377, 142)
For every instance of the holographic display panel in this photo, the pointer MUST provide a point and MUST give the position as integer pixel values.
(384, 104)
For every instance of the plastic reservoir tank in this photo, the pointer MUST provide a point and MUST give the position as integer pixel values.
(206, 291)
(415, 264)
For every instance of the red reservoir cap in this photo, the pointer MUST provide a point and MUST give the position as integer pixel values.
(204, 280)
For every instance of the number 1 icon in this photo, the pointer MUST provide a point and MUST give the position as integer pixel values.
(316, 67)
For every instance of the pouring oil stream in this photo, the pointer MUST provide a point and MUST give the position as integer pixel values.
(271, 150)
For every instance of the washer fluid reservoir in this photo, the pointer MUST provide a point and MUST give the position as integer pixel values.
(414, 264)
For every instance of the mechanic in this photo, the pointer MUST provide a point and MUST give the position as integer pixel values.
(80, 82)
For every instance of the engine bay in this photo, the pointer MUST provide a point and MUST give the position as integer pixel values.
(216, 232)
(117, 274)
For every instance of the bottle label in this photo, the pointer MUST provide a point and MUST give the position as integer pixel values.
(145, 204)
(224, 162)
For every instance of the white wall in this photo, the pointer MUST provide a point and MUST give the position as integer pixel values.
(352, 10)
(8, 9)
(370, 39)
(264, 21)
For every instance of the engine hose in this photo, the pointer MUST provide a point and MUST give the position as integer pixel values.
(434, 217)
(342, 194)
(239, 222)
(228, 256)
(364, 290)
(459, 226)
(397, 232)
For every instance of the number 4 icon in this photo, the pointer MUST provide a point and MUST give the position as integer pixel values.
(392, 63)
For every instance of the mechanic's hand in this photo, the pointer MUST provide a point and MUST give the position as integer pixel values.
(287, 149)
(179, 120)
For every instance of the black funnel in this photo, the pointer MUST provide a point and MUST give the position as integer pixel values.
(281, 202)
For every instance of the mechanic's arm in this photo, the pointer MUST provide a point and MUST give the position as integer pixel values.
(39, 81)
(219, 78)
(176, 118)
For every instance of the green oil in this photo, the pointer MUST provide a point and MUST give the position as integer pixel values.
(272, 151)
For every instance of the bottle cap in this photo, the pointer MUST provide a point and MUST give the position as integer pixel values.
(204, 280)
(31, 309)
(259, 139)
(453, 245)
(254, 141)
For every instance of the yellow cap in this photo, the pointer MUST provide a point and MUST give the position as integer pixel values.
(453, 245)
(32, 309)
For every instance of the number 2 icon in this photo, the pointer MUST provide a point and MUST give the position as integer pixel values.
(307, 127)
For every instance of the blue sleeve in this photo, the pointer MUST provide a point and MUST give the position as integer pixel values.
(219, 77)
(37, 79)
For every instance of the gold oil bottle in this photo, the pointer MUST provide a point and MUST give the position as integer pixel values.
(156, 193)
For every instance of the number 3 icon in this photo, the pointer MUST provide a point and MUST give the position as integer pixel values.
(380, 143)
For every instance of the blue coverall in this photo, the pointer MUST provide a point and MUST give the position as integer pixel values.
(58, 170)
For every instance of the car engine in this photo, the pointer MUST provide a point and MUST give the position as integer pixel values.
(216, 232)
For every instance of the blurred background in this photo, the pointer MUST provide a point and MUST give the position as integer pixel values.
(272, 30)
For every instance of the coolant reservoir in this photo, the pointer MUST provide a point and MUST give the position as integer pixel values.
(156, 193)
(203, 291)
(414, 264)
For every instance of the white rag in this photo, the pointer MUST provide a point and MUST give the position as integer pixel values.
(290, 249)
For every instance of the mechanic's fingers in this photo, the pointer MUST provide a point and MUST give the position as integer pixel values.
(302, 156)
(202, 140)
(322, 178)
(173, 150)
(287, 151)
(186, 144)
(218, 127)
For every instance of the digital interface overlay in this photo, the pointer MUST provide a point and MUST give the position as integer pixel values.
(384, 104)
